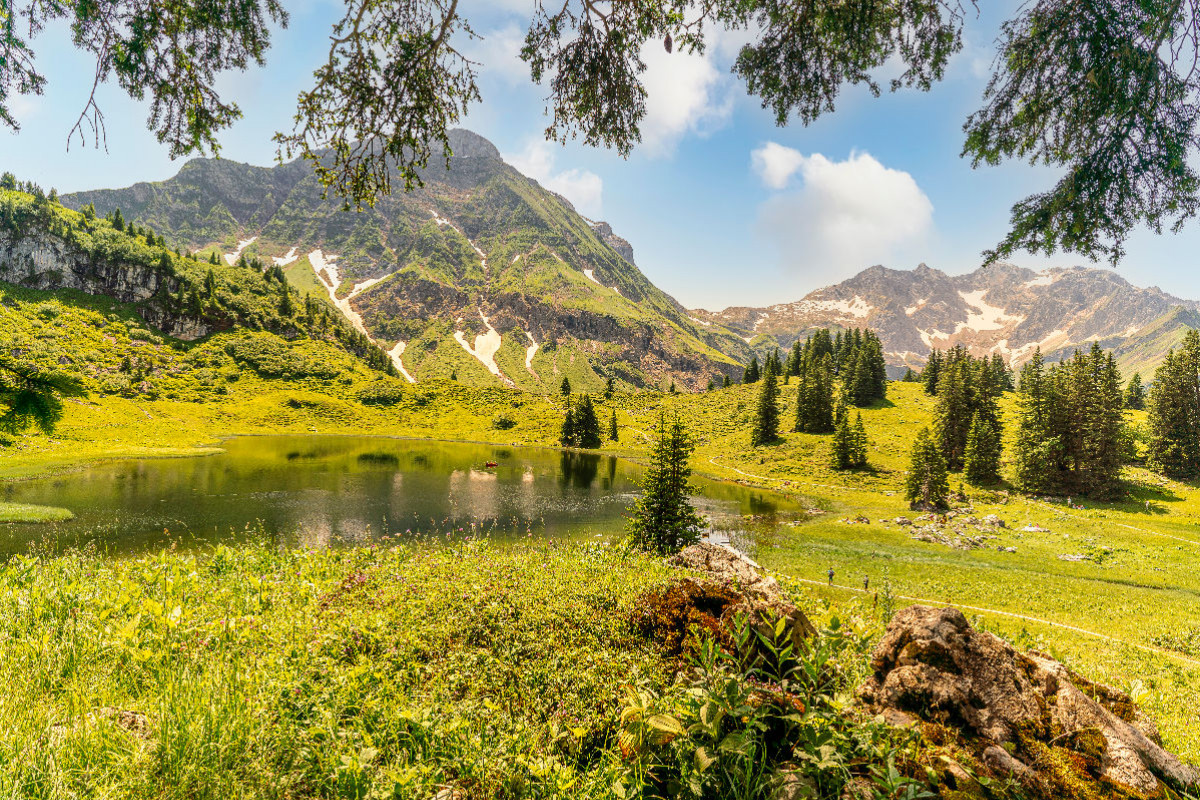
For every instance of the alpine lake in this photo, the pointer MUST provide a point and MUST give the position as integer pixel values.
(322, 491)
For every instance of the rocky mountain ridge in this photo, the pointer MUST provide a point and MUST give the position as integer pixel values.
(1002, 309)
(481, 273)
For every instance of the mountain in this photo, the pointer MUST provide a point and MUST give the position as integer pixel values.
(481, 272)
(1001, 308)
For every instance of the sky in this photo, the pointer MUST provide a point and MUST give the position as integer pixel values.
(722, 206)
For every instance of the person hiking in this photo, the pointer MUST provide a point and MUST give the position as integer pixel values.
(831, 576)
(866, 583)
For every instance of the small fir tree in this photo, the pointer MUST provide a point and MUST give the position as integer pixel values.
(1135, 393)
(587, 426)
(610, 386)
(926, 486)
(858, 443)
(565, 387)
(725, 382)
(613, 434)
(982, 462)
(766, 413)
(752, 373)
(663, 520)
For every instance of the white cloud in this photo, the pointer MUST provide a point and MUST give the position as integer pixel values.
(583, 188)
(840, 215)
(776, 164)
(499, 52)
(686, 93)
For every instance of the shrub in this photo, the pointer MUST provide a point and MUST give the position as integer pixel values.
(382, 393)
(503, 422)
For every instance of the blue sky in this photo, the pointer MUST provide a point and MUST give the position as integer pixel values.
(722, 207)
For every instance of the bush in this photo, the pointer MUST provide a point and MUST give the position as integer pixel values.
(503, 422)
(382, 393)
(271, 357)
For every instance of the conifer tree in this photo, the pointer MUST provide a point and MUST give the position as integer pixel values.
(613, 432)
(910, 376)
(566, 435)
(926, 486)
(981, 464)
(711, 385)
(814, 396)
(1037, 448)
(725, 382)
(610, 387)
(286, 307)
(766, 413)
(663, 520)
(932, 372)
(565, 386)
(842, 456)
(1173, 419)
(118, 221)
(952, 414)
(858, 443)
(587, 426)
(752, 373)
(1135, 393)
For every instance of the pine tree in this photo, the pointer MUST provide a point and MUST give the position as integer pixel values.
(926, 486)
(567, 436)
(932, 372)
(952, 414)
(286, 307)
(725, 382)
(613, 434)
(1135, 393)
(981, 465)
(210, 284)
(587, 426)
(814, 396)
(663, 520)
(565, 387)
(1036, 452)
(910, 376)
(842, 456)
(118, 221)
(766, 413)
(610, 387)
(1173, 419)
(752, 373)
(858, 443)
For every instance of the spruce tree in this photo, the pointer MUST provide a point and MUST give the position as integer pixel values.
(858, 443)
(610, 386)
(711, 385)
(565, 387)
(1135, 393)
(662, 520)
(766, 413)
(567, 436)
(725, 382)
(910, 376)
(981, 465)
(952, 414)
(814, 396)
(118, 221)
(932, 372)
(842, 456)
(926, 486)
(613, 434)
(752, 373)
(1037, 449)
(1173, 419)
(587, 426)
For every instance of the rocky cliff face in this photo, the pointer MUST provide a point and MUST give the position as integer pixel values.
(481, 271)
(999, 309)
(38, 259)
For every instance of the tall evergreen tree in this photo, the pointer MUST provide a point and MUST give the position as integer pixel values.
(858, 443)
(842, 455)
(814, 396)
(587, 426)
(926, 485)
(932, 372)
(613, 431)
(663, 520)
(1174, 417)
(752, 373)
(952, 414)
(610, 387)
(565, 386)
(1135, 393)
(981, 463)
(766, 412)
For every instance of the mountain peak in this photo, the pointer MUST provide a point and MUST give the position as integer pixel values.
(468, 144)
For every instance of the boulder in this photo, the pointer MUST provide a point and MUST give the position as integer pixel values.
(1026, 715)
(725, 563)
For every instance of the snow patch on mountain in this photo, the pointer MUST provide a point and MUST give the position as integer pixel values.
(485, 348)
(232, 258)
(986, 317)
(291, 257)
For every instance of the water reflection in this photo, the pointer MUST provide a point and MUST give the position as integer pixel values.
(318, 491)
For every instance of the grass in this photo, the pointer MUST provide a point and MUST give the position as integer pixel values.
(23, 512)
(1113, 615)
(251, 672)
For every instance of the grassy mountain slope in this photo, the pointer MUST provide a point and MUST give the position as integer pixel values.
(480, 248)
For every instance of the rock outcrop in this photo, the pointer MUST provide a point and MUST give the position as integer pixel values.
(1021, 715)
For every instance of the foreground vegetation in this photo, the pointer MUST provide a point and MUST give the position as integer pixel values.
(386, 672)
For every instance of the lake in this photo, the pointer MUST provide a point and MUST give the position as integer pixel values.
(319, 491)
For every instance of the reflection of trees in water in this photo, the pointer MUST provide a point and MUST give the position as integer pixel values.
(579, 469)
